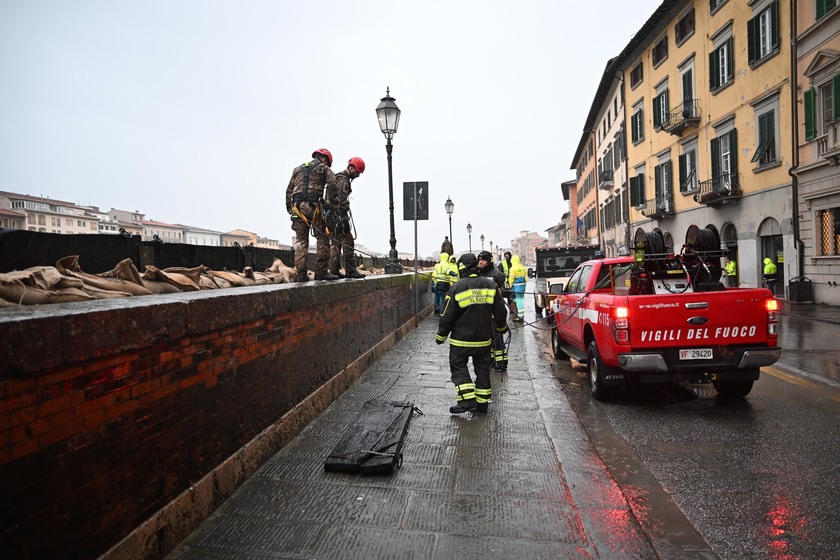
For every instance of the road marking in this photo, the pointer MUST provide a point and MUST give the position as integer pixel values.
(797, 380)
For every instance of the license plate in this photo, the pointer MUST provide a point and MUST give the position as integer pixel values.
(696, 354)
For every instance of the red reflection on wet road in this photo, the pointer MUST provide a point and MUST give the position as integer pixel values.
(784, 525)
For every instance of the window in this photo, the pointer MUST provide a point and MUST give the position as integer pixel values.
(637, 189)
(662, 186)
(688, 169)
(685, 27)
(821, 113)
(636, 75)
(715, 4)
(660, 51)
(660, 109)
(720, 65)
(828, 232)
(637, 126)
(825, 6)
(763, 33)
(725, 162)
(765, 154)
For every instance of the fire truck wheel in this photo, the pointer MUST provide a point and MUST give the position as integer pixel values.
(597, 370)
(733, 389)
(555, 346)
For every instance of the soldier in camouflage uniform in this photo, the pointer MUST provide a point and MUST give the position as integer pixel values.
(304, 203)
(338, 219)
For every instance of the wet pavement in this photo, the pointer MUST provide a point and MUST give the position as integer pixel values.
(808, 336)
(523, 480)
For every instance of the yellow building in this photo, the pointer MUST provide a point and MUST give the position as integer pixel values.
(707, 95)
(584, 208)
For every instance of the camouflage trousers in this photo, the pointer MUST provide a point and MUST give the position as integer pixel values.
(322, 247)
(342, 245)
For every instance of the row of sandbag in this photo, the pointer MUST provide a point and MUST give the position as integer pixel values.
(66, 281)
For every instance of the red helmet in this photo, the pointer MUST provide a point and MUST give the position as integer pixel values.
(358, 163)
(324, 152)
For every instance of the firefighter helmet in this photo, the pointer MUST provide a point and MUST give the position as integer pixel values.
(358, 163)
(467, 264)
(324, 152)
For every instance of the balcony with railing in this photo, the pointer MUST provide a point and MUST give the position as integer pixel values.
(828, 145)
(722, 189)
(606, 179)
(687, 114)
(660, 207)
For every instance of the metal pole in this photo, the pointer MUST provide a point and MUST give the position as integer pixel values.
(450, 228)
(392, 266)
(416, 286)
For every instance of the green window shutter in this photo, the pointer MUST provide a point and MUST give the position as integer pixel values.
(633, 189)
(753, 40)
(821, 8)
(733, 156)
(836, 93)
(774, 17)
(657, 108)
(810, 114)
(634, 129)
(715, 145)
(668, 186)
(714, 70)
(641, 185)
(666, 106)
(688, 94)
(683, 171)
(657, 180)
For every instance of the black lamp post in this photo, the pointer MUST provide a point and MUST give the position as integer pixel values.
(482, 241)
(469, 232)
(491, 247)
(450, 207)
(389, 119)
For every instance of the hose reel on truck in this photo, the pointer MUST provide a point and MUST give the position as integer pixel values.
(696, 268)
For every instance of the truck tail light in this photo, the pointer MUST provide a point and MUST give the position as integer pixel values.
(772, 306)
(621, 325)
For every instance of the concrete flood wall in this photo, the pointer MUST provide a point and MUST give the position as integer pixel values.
(124, 423)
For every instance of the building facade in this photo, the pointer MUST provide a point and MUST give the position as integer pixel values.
(817, 139)
(708, 110)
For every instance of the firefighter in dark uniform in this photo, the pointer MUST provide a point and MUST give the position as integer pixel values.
(338, 219)
(304, 203)
(499, 353)
(472, 310)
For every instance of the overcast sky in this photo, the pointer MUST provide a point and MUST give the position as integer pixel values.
(196, 111)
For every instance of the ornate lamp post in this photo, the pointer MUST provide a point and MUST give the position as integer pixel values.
(389, 119)
(450, 207)
(469, 232)
(482, 241)
(491, 247)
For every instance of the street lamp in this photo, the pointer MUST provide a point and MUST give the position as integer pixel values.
(389, 119)
(469, 232)
(482, 241)
(450, 207)
(491, 247)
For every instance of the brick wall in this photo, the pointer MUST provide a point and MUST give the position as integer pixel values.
(123, 423)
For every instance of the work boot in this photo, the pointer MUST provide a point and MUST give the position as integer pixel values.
(337, 273)
(463, 406)
(481, 407)
(353, 273)
(302, 276)
(326, 276)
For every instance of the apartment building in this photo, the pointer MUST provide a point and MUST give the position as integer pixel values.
(606, 115)
(708, 109)
(36, 213)
(817, 139)
(585, 203)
